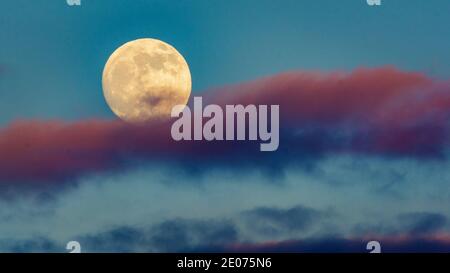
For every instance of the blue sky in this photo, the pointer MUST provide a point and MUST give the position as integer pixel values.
(55, 53)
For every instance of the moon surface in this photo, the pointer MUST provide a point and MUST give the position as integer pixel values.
(144, 79)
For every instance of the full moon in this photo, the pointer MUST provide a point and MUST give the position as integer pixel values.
(143, 79)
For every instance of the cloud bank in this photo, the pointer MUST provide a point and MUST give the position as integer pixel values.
(383, 111)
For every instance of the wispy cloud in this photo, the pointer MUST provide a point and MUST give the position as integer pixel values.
(229, 235)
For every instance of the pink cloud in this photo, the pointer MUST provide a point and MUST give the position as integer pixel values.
(397, 243)
(383, 111)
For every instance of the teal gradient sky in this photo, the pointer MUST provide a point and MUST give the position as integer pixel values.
(53, 54)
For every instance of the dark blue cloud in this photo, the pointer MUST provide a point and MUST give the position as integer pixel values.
(169, 236)
(37, 245)
(415, 232)
(195, 235)
(411, 224)
(422, 222)
(274, 221)
(345, 245)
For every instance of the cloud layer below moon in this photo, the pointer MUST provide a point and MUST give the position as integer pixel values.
(384, 111)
